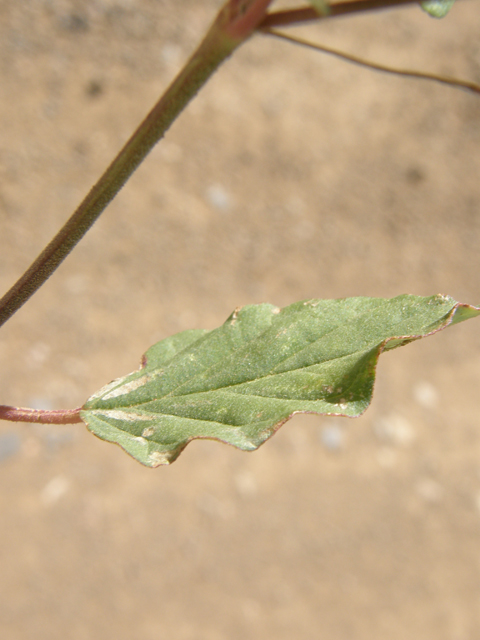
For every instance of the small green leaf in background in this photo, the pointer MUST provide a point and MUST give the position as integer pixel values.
(322, 7)
(239, 383)
(437, 8)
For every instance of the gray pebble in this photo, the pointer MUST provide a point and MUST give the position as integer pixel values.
(10, 444)
(332, 438)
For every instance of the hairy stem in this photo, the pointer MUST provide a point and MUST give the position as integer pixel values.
(19, 414)
(235, 22)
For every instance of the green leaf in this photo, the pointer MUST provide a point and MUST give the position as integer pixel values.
(322, 7)
(437, 8)
(239, 383)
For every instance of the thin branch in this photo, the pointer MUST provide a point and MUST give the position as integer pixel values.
(20, 414)
(291, 17)
(451, 82)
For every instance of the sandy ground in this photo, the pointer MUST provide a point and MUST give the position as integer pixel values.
(293, 175)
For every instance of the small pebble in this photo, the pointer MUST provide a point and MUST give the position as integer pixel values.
(218, 197)
(38, 355)
(426, 395)
(55, 489)
(332, 438)
(10, 444)
(246, 484)
(171, 55)
(170, 151)
(394, 429)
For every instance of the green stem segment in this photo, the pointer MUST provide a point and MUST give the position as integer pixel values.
(234, 24)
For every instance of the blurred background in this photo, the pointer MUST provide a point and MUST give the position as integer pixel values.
(293, 175)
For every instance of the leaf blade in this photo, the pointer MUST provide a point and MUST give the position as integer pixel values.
(240, 382)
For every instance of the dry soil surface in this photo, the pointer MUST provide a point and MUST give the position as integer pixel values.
(293, 175)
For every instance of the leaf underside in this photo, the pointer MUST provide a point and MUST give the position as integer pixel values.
(239, 383)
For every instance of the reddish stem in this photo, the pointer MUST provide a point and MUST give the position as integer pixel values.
(242, 17)
(291, 17)
(20, 414)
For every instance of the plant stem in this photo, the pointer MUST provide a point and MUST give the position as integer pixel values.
(234, 24)
(407, 73)
(236, 21)
(19, 414)
(290, 17)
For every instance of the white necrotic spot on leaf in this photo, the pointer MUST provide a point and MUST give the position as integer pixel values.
(149, 431)
(234, 316)
(117, 414)
(127, 388)
(157, 458)
(141, 440)
(105, 389)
